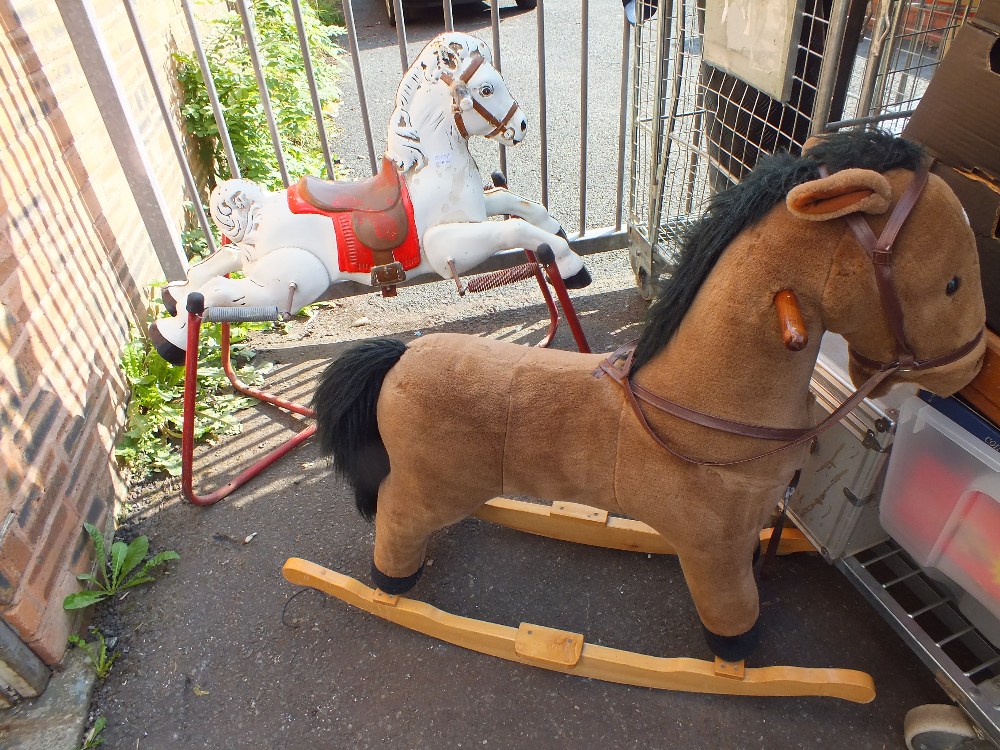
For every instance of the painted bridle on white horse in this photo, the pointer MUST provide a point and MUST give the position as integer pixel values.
(464, 101)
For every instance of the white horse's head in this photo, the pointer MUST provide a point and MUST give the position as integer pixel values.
(236, 207)
(452, 84)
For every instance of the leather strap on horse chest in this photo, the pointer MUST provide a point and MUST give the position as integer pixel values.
(621, 374)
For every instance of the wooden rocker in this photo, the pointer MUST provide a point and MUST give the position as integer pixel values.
(561, 651)
(583, 524)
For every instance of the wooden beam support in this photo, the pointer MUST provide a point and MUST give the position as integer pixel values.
(572, 522)
(567, 652)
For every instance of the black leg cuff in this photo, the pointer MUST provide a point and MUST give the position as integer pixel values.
(391, 585)
(733, 647)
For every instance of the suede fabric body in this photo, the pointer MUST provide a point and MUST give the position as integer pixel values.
(465, 419)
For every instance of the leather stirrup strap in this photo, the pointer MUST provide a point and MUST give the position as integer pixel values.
(767, 559)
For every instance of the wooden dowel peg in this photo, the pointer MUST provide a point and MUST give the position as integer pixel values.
(793, 327)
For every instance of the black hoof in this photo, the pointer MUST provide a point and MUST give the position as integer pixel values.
(173, 354)
(578, 280)
(168, 301)
(733, 647)
(394, 586)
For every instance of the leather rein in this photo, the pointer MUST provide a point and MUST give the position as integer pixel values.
(499, 125)
(618, 365)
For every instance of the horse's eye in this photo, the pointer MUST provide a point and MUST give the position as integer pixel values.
(953, 286)
(486, 90)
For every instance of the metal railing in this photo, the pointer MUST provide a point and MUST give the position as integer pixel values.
(586, 238)
(697, 129)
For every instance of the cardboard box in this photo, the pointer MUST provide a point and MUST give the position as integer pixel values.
(958, 121)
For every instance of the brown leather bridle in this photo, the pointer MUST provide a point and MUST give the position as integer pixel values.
(879, 249)
(499, 125)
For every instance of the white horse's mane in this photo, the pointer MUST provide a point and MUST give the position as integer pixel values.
(445, 53)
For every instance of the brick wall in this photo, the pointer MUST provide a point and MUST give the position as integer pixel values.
(75, 262)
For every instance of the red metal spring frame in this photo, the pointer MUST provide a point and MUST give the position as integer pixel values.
(195, 311)
(196, 306)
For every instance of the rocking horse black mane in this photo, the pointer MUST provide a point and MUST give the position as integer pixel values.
(746, 203)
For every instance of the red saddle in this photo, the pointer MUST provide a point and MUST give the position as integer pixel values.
(373, 220)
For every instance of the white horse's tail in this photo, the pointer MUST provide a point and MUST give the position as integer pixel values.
(236, 207)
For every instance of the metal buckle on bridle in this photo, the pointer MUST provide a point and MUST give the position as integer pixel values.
(882, 257)
(499, 126)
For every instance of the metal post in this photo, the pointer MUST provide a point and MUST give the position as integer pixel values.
(880, 35)
(622, 104)
(495, 23)
(213, 95)
(168, 122)
(662, 38)
(352, 41)
(265, 98)
(313, 92)
(832, 47)
(542, 101)
(449, 15)
(102, 76)
(584, 71)
(401, 34)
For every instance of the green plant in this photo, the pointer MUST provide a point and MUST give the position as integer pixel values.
(101, 659)
(154, 415)
(236, 84)
(93, 737)
(120, 572)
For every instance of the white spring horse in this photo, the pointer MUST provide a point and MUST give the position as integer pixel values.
(291, 245)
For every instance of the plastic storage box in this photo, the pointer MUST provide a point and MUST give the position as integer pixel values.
(941, 499)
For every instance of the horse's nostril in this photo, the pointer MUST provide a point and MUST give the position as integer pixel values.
(524, 125)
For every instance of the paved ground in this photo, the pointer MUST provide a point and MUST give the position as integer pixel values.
(223, 653)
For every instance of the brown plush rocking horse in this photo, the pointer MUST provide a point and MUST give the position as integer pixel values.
(696, 430)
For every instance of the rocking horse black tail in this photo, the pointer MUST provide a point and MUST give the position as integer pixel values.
(346, 424)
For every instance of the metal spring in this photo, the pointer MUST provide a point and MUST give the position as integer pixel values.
(496, 279)
(240, 314)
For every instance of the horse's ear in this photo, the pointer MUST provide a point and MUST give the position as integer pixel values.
(846, 192)
(811, 142)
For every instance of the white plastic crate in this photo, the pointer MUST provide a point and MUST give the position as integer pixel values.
(941, 500)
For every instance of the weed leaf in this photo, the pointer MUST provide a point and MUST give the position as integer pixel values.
(136, 581)
(134, 555)
(118, 550)
(98, 539)
(82, 599)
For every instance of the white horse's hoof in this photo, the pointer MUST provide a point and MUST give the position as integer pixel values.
(578, 280)
(169, 351)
